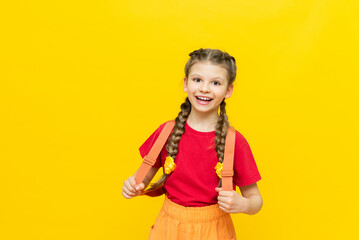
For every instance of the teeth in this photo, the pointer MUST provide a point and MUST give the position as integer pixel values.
(205, 99)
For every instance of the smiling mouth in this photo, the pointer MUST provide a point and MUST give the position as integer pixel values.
(204, 99)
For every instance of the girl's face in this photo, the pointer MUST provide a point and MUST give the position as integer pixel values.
(207, 86)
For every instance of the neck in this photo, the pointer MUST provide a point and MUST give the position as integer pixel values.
(203, 122)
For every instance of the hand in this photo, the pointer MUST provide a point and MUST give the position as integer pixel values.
(231, 201)
(130, 189)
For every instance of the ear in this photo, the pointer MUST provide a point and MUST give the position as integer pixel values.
(229, 91)
(185, 82)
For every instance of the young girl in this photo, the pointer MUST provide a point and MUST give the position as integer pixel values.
(195, 207)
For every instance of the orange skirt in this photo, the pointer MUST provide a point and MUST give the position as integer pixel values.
(176, 222)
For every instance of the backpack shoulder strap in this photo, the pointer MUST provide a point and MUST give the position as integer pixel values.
(150, 159)
(227, 172)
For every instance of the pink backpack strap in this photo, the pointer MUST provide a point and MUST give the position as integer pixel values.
(150, 159)
(227, 171)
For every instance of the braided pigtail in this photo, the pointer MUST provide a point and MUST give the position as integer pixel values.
(217, 57)
(220, 58)
(172, 145)
(221, 133)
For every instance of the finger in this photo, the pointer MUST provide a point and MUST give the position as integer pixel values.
(225, 193)
(223, 209)
(224, 205)
(127, 191)
(132, 182)
(128, 185)
(221, 192)
(126, 195)
(221, 199)
(224, 201)
(140, 187)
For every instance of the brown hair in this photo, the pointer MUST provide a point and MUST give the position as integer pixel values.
(217, 57)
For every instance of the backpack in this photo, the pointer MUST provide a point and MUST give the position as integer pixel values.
(150, 159)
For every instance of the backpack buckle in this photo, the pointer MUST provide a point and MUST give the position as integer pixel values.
(227, 173)
(148, 160)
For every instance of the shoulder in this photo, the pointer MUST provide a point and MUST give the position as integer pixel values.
(150, 141)
(162, 125)
(160, 128)
(240, 140)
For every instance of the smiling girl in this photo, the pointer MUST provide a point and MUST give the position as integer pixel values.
(195, 206)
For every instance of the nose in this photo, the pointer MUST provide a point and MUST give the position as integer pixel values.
(204, 87)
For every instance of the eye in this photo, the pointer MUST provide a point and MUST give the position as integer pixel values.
(216, 83)
(196, 79)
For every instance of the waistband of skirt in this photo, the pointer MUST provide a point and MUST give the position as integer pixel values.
(192, 214)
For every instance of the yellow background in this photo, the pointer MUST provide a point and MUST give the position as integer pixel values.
(84, 83)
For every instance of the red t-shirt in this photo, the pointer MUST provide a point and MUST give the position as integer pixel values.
(194, 180)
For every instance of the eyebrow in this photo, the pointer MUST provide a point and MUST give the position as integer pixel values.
(201, 76)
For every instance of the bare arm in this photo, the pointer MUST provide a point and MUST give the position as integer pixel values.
(254, 198)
